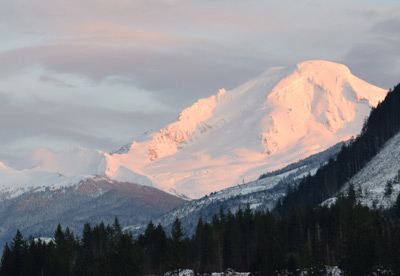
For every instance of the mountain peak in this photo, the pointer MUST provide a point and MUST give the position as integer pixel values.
(318, 65)
(283, 115)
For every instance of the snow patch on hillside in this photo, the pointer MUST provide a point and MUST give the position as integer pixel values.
(370, 183)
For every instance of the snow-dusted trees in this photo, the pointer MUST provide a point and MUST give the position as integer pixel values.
(382, 124)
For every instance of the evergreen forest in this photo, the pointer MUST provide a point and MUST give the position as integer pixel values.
(359, 240)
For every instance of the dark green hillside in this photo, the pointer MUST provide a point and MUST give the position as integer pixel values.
(382, 124)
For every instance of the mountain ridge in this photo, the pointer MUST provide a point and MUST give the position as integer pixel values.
(38, 211)
(195, 159)
(260, 195)
(367, 161)
(282, 116)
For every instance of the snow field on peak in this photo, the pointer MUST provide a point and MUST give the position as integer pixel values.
(57, 170)
(282, 116)
(71, 161)
(50, 170)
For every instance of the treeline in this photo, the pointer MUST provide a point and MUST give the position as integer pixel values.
(102, 250)
(382, 124)
(355, 238)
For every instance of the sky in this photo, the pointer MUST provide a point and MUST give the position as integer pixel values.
(98, 73)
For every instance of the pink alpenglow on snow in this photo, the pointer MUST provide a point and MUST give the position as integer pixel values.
(283, 115)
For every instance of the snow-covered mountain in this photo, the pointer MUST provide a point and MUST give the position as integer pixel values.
(282, 116)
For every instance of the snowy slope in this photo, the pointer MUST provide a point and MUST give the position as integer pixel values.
(56, 170)
(370, 183)
(261, 194)
(284, 115)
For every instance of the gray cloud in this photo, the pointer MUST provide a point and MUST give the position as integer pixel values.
(88, 126)
(180, 75)
(389, 29)
(54, 81)
(378, 60)
(165, 55)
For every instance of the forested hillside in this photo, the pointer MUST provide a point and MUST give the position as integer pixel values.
(382, 124)
(355, 238)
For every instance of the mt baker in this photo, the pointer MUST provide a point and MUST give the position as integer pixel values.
(284, 115)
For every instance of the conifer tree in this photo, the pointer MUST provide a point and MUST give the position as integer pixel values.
(176, 247)
(153, 244)
(14, 256)
(6, 261)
